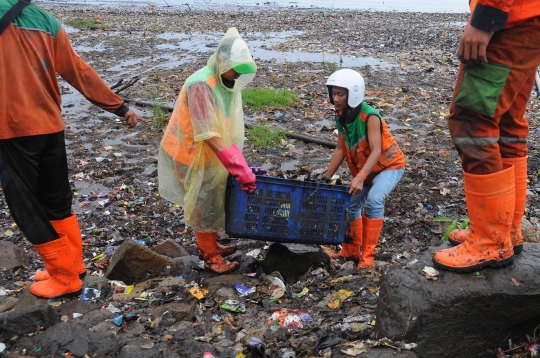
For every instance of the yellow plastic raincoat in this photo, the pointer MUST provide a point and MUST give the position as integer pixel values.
(190, 174)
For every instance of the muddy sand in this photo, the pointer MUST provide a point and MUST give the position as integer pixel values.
(410, 66)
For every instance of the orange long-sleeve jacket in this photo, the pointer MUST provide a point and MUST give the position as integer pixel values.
(495, 15)
(33, 49)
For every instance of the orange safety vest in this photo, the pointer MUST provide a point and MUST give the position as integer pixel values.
(353, 140)
(178, 140)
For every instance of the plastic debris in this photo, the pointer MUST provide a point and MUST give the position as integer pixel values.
(430, 273)
(118, 320)
(120, 287)
(243, 290)
(254, 253)
(303, 292)
(289, 318)
(354, 349)
(55, 302)
(113, 309)
(198, 292)
(338, 297)
(89, 294)
(233, 306)
(361, 318)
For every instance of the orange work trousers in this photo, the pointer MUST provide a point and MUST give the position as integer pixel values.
(487, 113)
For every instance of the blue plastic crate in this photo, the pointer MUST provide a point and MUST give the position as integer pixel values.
(286, 210)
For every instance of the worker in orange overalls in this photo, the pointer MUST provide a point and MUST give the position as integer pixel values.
(202, 145)
(34, 48)
(500, 53)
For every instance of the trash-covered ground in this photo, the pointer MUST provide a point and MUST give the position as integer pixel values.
(408, 61)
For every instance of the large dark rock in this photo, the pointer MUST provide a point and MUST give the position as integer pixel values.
(65, 336)
(26, 320)
(132, 260)
(460, 315)
(12, 256)
(292, 260)
(170, 248)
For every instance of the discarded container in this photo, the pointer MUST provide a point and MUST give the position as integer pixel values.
(286, 210)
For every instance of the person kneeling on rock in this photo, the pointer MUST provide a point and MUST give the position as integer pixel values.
(203, 144)
(374, 159)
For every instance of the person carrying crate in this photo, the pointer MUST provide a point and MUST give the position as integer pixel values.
(202, 145)
(374, 159)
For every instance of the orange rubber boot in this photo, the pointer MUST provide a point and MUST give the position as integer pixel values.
(457, 236)
(225, 250)
(70, 227)
(351, 251)
(61, 266)
(520, 170)
(222, 250)
(490, 201)
(372, 233)
(212, 259)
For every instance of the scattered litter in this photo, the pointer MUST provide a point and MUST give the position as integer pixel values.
(120, 287)
(243, 290)
(233, 306)
(303, 292)
(55, 302)
(430, 273)
(90, 294)
(338, 297)
(198, 293)
(354, 349)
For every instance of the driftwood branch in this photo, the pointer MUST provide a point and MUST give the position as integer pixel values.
(148, 104)
(301, 137)
(130, 83)
(117, 84)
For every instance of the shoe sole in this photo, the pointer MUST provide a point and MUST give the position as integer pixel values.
(220, 273)
(488, 264)
(517, 248)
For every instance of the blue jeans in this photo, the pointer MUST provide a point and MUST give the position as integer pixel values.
(373, 195)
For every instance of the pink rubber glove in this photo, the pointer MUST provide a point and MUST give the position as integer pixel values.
(236, 164)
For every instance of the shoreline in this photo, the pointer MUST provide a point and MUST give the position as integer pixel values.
(262, 7)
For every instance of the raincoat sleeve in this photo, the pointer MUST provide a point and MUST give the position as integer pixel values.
(82, 76)
(204, 117)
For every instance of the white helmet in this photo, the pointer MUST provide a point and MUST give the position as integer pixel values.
(352, 81)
